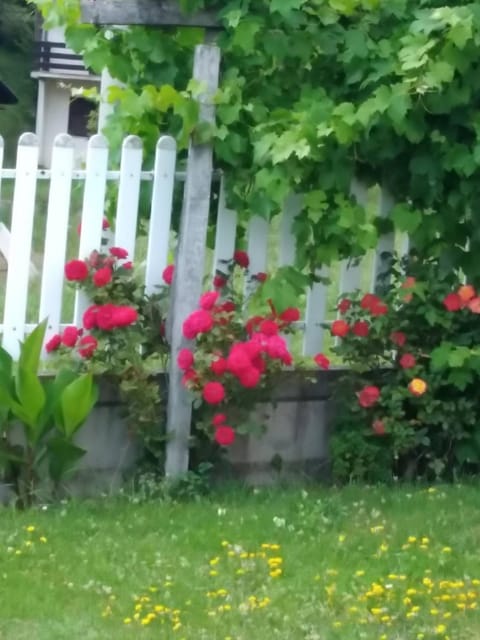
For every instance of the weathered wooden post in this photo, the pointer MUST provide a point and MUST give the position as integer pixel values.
(189, 264)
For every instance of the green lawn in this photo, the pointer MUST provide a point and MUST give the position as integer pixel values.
(367, 563)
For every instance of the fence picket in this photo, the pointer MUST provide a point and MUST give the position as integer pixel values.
(315, 314)
(225, 233)
(386, 242)
(161, 212)
(20, 243)
(291, 209)
(93, 209)
(257, 244)
(56, 232)
(351, 269)
(128, 195)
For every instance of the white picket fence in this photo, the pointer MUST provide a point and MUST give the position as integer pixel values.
(129, 178)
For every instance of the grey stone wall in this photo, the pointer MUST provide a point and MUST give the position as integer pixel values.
(295, 444)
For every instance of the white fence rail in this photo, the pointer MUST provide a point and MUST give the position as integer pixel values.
(27, 176)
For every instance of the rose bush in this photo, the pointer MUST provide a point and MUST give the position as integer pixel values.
(121, 337)
(413, 380)
(238, 353)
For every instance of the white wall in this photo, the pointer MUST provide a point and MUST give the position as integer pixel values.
(52, 116)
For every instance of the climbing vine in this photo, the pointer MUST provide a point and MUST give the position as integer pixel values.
(313, 93)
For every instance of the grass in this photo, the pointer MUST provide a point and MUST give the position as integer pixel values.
(358, 563)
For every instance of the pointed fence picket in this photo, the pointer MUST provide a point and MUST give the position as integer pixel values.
(268, 244)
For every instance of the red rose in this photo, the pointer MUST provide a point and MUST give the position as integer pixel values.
(292, 314)
(76, 270)
(219, 281)
(185, 359)
(105, 224)
(213, 393)
(167, 274)
(276, 348)
(452, 302)
(361, 329)
(369, 300)
(378, 309)
(70, 336)
(53, 344)
(104, 317)
(344, 305)
(200, 321)
(407, 361)
(208, 300)
(268, 327)
(127, 265)
(339, 328)
(238, 359)
(378, 427)
(90, 317)
(368, 396)
(102, 277)
(224, 436)
(118, 252)
(241, 258)
(87, 346)
(252, 324)
(219, 366)
(124, 316)
(249, 378)
(189, 376)
(219, 419)
(322, 361)
(398, 338)
(261, 277)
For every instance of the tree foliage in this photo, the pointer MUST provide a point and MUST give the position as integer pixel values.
(313, 93)
(16, 59)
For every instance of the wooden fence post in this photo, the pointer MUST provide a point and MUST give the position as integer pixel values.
(190, 260)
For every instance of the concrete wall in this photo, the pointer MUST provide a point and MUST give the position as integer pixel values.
(295, 444)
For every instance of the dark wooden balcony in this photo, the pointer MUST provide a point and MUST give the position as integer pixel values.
(55, 57)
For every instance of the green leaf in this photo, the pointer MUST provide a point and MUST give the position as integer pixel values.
(440, 356)
(77, 401)
(31, 348)
(62, 457)
(405, 218)
(31, 397)
(284, 7)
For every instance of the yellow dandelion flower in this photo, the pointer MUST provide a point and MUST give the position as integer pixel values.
(43, 539)
(275, 573)
(30, 528)
(341, 538)
(213, 573)
(440, 628)
(425, 540)
(376, 611)
(447, 614)
(225, 543)
(360, 573)
(337, 624)
(18, 552)
(127, 621)
(447, 550)
(377, 529)
(434, 612)
(411, 539)
(385, 619)
(384, 547)
(431, 490)
(176, 626)
(28, 543)
(214, 561)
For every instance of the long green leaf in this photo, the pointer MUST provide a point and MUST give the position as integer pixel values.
(31, 397)
(31, 348)
(78, 400)
(62, 456)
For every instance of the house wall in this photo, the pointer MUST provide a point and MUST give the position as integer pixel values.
(52, 116)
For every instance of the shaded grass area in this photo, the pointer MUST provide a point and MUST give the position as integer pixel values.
(366, 563)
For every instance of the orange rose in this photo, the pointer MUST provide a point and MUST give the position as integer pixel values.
(466, 292)
(417, 387)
